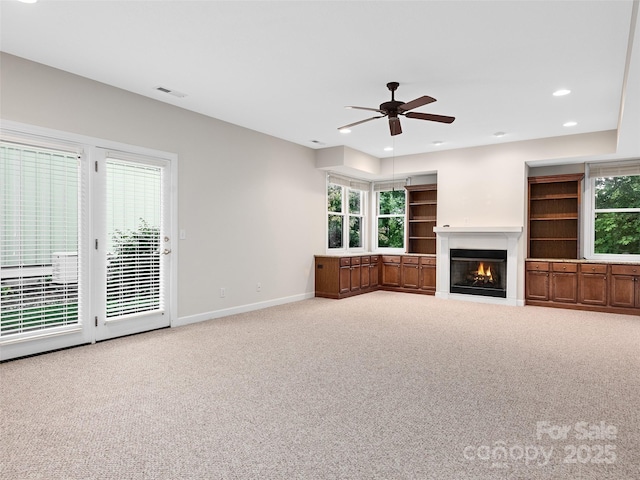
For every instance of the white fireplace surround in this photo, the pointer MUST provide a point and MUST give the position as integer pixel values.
(484, 238)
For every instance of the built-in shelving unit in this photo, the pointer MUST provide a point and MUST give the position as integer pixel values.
(554, 206)
(422, 205)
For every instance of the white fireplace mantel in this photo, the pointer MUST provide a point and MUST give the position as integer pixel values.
(498, 238)
(476, 230)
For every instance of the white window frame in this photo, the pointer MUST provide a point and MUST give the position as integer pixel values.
(348, 185)
(598, 170)
(387, 187)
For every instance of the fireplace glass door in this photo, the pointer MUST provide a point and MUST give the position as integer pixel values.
(479, 272)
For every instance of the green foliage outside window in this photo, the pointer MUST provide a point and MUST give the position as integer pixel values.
(391, 227)
(391, 203)
(618, 231)
(334, 198)
(391, 232)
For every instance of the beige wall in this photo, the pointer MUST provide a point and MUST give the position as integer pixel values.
(252, 205)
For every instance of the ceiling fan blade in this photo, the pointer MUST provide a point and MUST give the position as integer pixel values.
(358, 123)
(418, 102)
(394, 126)
(430, 116)
(366, 108)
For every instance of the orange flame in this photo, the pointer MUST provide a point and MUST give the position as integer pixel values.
(483, 272)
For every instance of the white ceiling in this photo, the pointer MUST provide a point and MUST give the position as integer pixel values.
(288, 68)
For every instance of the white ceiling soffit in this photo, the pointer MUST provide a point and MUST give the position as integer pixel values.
(288, 68)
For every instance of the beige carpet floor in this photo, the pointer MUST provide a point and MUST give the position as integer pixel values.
(380, 386)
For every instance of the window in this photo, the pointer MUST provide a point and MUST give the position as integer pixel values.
(390, 216)
(346, 201)
(615, 215)
(39, 208)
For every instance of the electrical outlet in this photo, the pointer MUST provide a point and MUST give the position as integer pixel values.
(223, 292)
(258, 287)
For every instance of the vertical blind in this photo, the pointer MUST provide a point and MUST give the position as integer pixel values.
(39, 208)
(134, 266)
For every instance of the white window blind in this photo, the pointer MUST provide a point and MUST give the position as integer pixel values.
(351, 183)
(39, 207)
(134, 206)
(390, 185)
(618, 169)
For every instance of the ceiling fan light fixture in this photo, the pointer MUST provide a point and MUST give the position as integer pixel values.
(561, 93)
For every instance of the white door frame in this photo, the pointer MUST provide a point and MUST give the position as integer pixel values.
(85, 331)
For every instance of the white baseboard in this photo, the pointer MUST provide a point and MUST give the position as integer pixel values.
(201, 317)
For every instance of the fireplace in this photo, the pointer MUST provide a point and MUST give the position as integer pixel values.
(478, 272)
(503, 238)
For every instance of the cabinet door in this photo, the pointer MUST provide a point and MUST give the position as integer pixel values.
(593, 289)
(564, 287)
(365, 276)
(355, 277)
(375, 273)
(428, 277)
(623, 291)
(537, 285)
(410, 276)
(391, 274)
(345, 279)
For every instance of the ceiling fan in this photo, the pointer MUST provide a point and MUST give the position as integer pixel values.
(394, 108)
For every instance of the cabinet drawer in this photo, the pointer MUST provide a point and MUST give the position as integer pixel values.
(428, 261)
(625, 269)
(564, 267)
(410, 260)
(345, 262)
(374, 258)
(540, 266)
(355, 261)
(593, 268)
(365, 260)
(391, 258)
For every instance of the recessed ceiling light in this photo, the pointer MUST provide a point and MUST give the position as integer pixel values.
(562, 92)
(388, 149)
(438, 142)
(28, 1)
(499, 134)
(344, 130)
(569, 124)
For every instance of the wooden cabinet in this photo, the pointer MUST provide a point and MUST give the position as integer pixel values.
(339, 277)
(564, 282)
(553, 226)
(592, 284)
(625, 286)
(410, 272)
(537, 281)
(583, 285)
(391, 270)
(421, 218)
(428, 274)
(374, 270)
